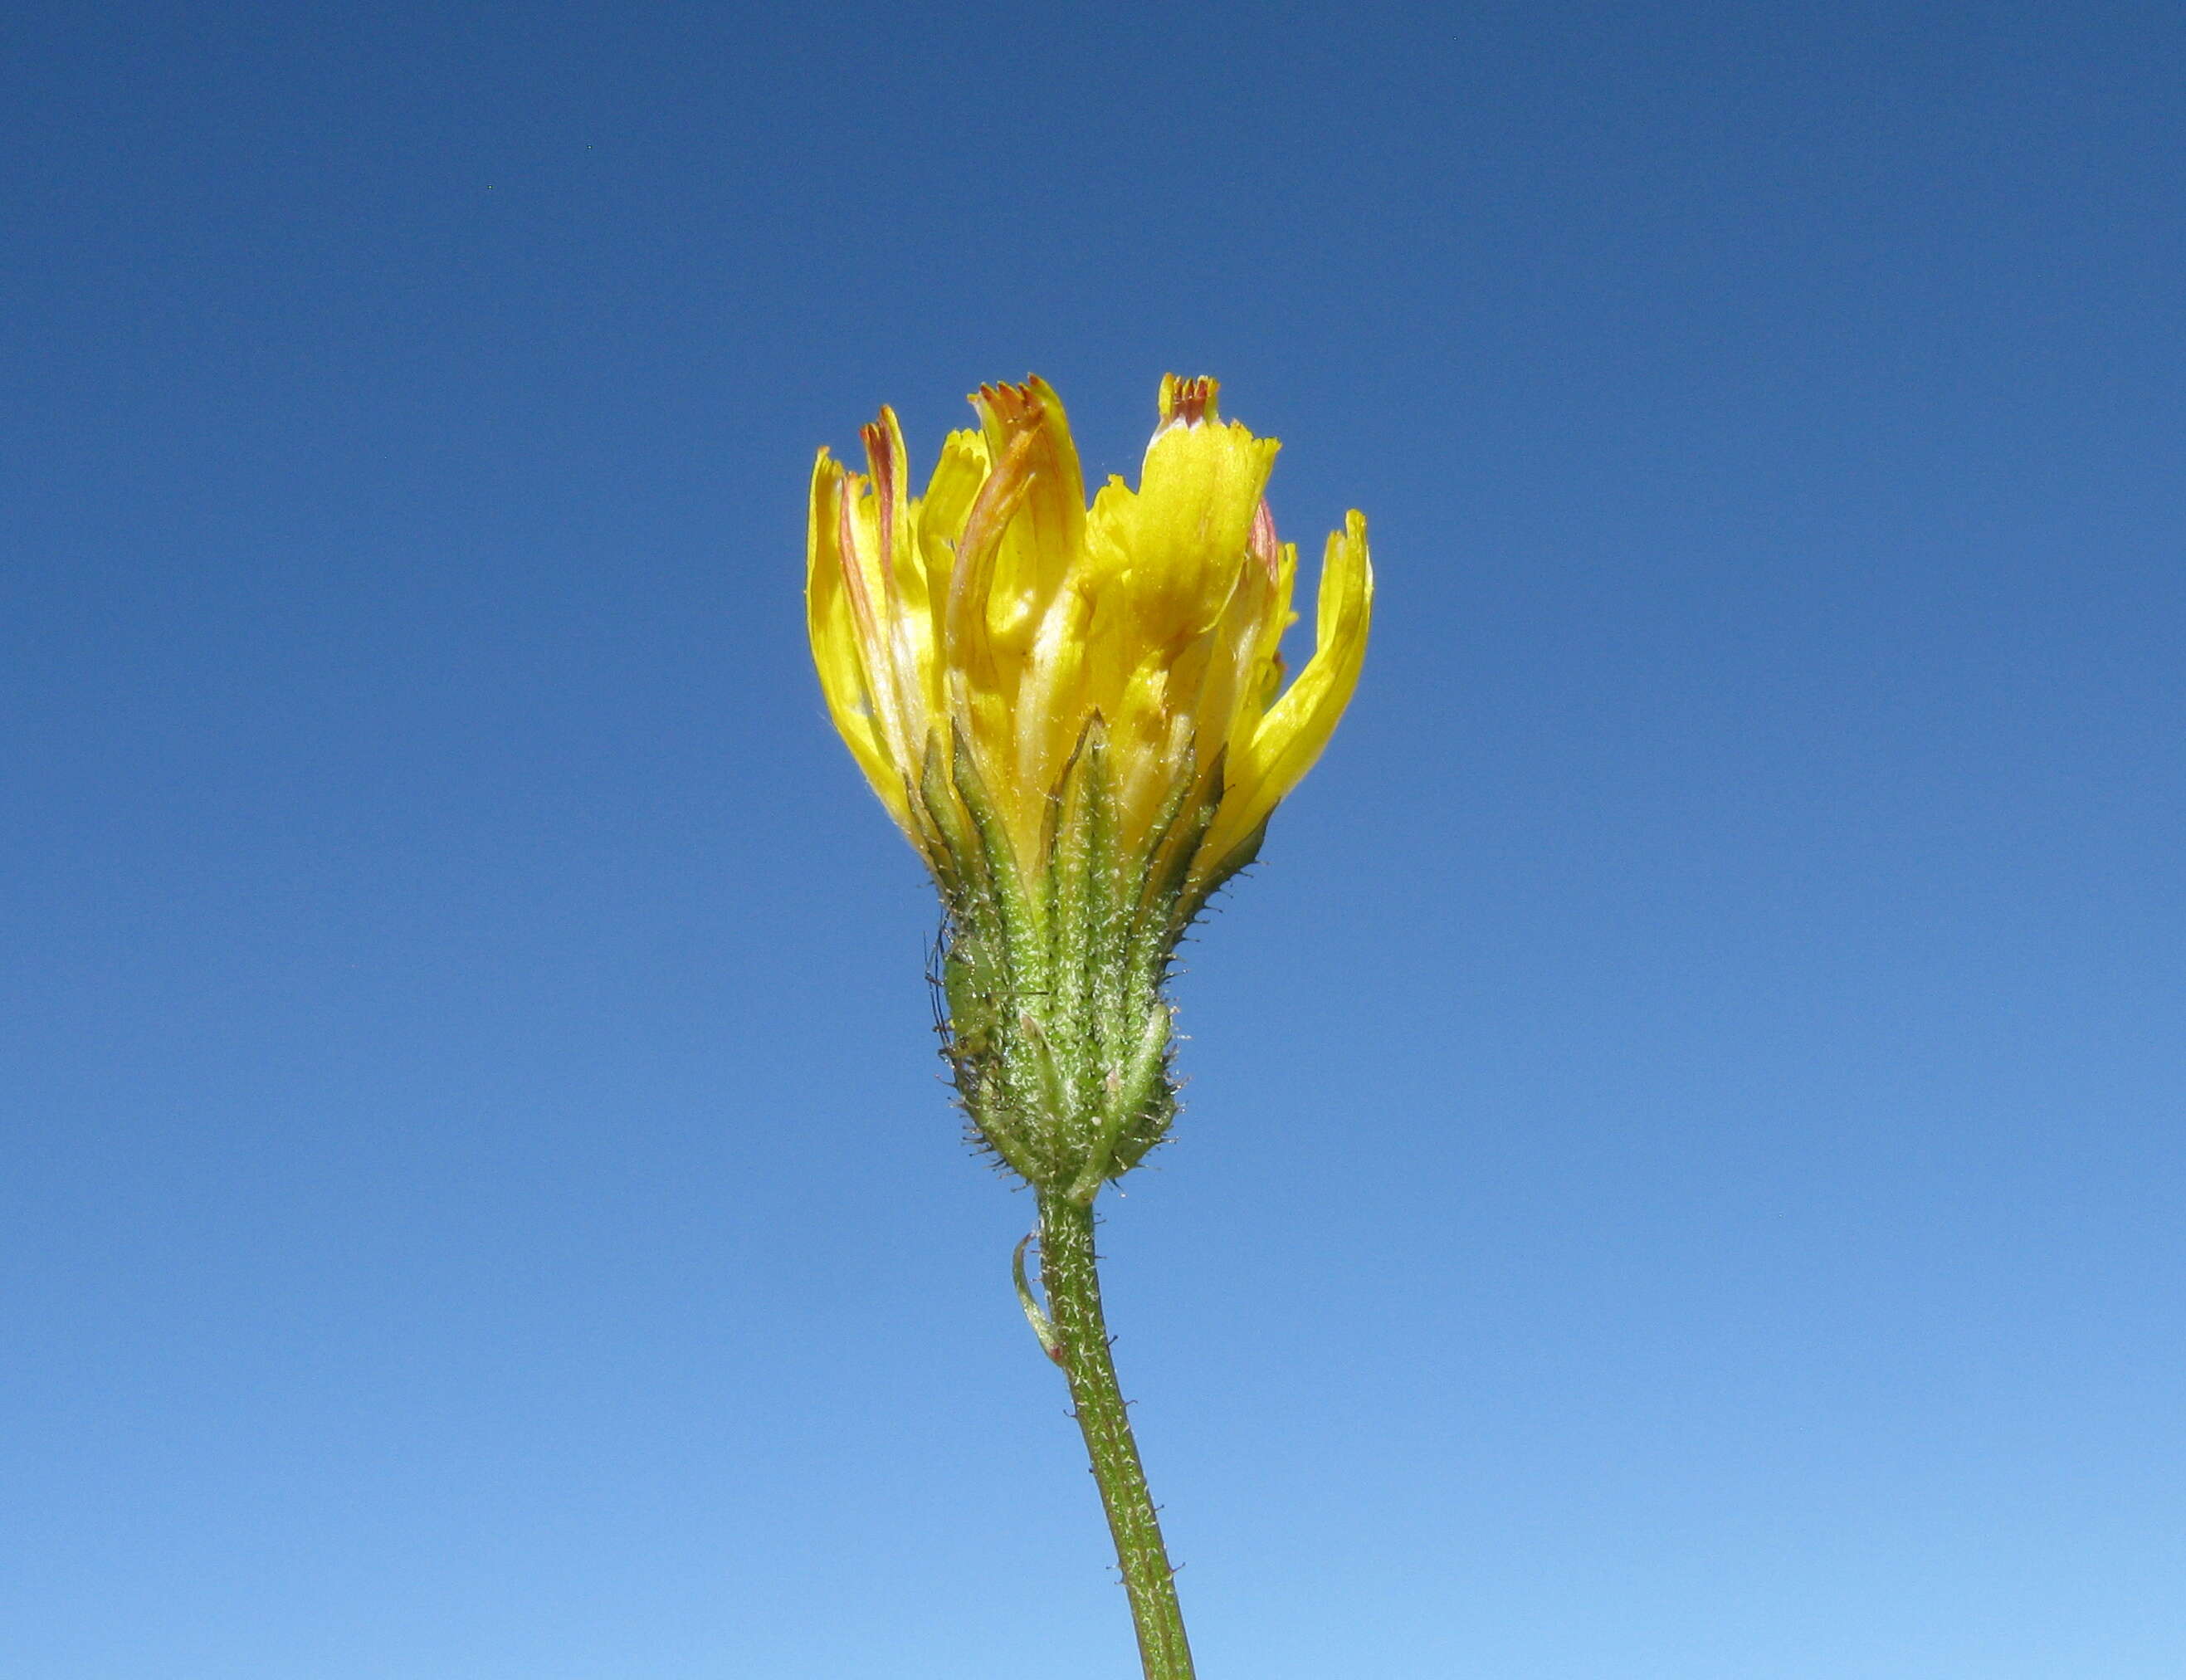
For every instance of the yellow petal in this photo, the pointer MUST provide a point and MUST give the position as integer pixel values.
(1172, 552)
(901, 611)
(1292, 734)
(1045, 536)
(836, 650)
(983, 672)
(1241, 658)
(939, 518)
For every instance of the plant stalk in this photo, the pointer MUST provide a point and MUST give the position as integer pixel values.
(1072, 1284)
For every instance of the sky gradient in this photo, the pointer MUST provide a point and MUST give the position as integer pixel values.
(1681, 1171)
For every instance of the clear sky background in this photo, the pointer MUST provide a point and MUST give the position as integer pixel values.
(1683, 1171)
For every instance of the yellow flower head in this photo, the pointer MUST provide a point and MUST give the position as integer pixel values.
(973, 641)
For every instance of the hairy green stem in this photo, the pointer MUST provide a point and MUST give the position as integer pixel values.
(1072, 1284)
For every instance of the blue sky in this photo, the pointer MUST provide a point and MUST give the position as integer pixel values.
(1682, 1168)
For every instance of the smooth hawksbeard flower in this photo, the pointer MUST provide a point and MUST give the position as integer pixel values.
(996, 619)
(1080, 718)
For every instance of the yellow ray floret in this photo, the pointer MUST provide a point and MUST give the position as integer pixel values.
(998, 617)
